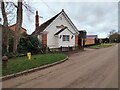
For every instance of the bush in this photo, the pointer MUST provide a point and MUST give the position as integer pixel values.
(28, 44)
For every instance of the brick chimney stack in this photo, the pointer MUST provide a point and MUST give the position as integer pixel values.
(36, 21)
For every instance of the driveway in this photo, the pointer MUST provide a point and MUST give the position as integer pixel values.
(93, 68)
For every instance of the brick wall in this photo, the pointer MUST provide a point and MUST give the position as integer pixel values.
(13, 28)
(76, 40)
(36, 21)
(44, 39)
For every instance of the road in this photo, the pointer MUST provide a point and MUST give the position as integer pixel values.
(93, 68)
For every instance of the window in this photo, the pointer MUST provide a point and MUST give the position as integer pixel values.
(66, 37)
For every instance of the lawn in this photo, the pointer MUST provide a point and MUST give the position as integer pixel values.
(22, 63)
(101, 45)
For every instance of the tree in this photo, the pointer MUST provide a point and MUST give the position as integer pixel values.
(114, 37)
(8, 16)
(19, 20)
(18, 26)
(112, 32)
(28, 43)
(5, 29)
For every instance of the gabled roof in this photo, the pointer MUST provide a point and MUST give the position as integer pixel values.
(42, 27)
(69, 20)
(15, 25)
(45, 24)
(60, 31)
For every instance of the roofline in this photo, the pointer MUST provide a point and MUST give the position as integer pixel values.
(82, 31)
(14, 25)
(46, 22)
(53, 20)
(63, 30)
(70, 21)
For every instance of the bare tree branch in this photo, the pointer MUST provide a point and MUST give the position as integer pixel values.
(18, 25)
(28, 7)
(5, 29)
(14, 4)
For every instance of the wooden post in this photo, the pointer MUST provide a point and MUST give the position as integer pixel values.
(68, 48)
(61, 48)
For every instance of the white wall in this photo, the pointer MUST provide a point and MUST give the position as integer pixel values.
(56, 41)
(69, 43)
(51, 30)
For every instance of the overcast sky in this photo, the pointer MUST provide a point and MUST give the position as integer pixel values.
(94, 17)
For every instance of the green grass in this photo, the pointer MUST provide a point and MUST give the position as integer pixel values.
(101, 46)
(21, 63)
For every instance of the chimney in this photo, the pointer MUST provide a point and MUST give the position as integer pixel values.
(36, 21)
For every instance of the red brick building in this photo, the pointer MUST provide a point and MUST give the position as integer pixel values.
(12, 27)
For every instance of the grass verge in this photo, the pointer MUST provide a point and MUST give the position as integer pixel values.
(101, 46)
(22, 63)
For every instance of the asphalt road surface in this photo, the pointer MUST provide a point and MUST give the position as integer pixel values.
(93, 68)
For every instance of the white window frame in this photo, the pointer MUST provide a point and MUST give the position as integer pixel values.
(66, 38)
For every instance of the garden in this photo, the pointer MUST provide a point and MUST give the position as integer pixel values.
(19, 64)
(18, 61)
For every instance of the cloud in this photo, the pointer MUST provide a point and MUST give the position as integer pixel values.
(94, 17)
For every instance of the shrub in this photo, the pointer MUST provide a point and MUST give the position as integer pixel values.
(28, 44)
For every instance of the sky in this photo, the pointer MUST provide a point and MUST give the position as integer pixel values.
(94, 16)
